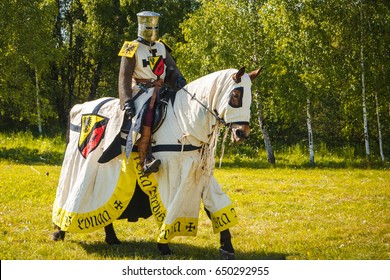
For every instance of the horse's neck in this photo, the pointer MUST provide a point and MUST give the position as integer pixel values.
(194, 119)
(207, 90)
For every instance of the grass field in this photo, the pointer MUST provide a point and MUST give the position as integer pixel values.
(285, 213)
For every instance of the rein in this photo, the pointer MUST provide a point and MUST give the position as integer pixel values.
(214, 113)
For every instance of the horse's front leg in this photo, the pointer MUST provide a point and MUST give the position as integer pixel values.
(111, 238)
(58, 235)
(164, 249)
(225, 239)
(226, 251)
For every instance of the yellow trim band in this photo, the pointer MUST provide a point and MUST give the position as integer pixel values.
(103, 216)
(224, 219)
(148, 185)
(180, 227)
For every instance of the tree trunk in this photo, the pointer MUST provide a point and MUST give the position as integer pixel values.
(95, 81)
(310, 132)
(366, 136)
(38, 103)
(70, 67)
(267, 141)
(379, 128)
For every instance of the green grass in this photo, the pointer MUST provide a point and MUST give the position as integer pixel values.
(24, 148)
(285, 213)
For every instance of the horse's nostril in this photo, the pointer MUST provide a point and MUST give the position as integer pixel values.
(240, 133)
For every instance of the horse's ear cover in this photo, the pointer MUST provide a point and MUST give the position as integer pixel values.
(238, 75)
(255, 73)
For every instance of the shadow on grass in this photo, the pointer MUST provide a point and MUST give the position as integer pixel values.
(147, 250)
(24, 155)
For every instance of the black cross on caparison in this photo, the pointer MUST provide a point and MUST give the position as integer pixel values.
(190, 227)
(118, 205)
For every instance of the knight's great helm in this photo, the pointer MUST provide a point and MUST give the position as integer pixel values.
(148, 25)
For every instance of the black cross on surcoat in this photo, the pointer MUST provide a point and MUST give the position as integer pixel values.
(145, 62)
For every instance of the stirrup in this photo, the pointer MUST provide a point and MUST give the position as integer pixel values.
(151, 167)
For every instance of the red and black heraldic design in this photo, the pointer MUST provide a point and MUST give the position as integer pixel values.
(91, 133)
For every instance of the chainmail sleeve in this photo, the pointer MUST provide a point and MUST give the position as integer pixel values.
(126, 71)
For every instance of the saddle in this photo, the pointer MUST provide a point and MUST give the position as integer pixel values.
(164, 96)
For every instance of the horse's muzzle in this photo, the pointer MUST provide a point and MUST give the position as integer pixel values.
(240, 132)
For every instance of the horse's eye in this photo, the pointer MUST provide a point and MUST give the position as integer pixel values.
(236, 97)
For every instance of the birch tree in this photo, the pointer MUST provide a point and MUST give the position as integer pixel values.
(264, 130)
(363, 84)
(294, 27)
(379, 128)
(257, 56)
(310, 132)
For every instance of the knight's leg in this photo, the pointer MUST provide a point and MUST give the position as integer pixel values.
(164, 249)
(149, 163)
(111, 238)
(58, 235)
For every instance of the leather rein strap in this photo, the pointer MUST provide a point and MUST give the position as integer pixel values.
(215, 113)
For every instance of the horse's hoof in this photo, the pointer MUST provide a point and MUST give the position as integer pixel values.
(113, 241)
(225, 255)
(164, 249)
(58, 235)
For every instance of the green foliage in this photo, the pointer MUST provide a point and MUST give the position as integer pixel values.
(26, 46)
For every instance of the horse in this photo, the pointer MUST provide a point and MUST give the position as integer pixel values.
(101, 178)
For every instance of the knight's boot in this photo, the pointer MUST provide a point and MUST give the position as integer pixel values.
(148, 162)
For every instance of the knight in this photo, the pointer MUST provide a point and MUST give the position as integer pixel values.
(146, 65)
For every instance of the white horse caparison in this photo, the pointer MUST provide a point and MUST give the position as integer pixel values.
(185, 143)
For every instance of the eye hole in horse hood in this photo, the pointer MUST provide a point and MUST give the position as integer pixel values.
(235, 99)
(234, 104)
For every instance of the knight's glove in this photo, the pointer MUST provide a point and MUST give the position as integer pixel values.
(180, 82)
(129, 108)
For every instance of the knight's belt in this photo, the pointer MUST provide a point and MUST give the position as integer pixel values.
(146, 83)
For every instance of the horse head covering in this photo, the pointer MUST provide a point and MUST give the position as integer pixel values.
(235, 107)
(148, 25)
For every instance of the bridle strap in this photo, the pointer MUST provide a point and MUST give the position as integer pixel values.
(214, 113)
